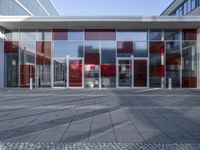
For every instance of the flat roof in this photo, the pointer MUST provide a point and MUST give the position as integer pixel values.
(100, 22)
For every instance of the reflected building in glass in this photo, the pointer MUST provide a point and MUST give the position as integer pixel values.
(104, 52)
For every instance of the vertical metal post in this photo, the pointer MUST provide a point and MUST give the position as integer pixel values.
(170, 84)
(31, 83)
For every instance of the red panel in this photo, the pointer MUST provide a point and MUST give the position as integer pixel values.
(189, 82)
(108, 71)
(75, 73)
(189, 34)
(157, 47)
(92, 58)
(157, 71)
(125, 47)
(26, 72)
(43, 52)
(140, 73)
(60, 34)
(11, 47)
(173, 58)
(100, 34)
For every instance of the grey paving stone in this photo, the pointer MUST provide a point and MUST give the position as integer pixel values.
(75, 137)
(103, 136)
(155, 137)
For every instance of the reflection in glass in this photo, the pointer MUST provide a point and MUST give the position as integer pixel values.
(11, 35)
(75, 73)
(60, 72)
(155, 35)
(173, 63)
(140, 49)
(189, 68)
(189, 34)
(70, 48)
(108, 64)
(140, 73)
(131, 35)
(125, 73)
(124, 48)
(44, 35)
(92, 62)
(172, 34)
(27, 35)
(75, 34)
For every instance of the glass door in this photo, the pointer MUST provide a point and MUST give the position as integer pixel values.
(124, 71)
(75, 72)
(60, 72)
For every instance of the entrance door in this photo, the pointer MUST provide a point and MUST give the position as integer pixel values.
(75, 72)
(60, 72)
(124, 70)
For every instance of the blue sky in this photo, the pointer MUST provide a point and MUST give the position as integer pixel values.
(111, 7)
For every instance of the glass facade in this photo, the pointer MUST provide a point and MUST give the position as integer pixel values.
(100, 58)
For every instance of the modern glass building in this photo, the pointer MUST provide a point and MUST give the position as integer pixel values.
(100, 52)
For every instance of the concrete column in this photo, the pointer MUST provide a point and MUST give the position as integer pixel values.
(198, 57)
(1, 58)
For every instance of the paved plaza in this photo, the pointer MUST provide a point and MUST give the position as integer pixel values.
(117, 116)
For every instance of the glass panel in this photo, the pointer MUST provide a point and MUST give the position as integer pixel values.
(172, 34)
(11, 35)
(74, 34)
(11, 47)
(60, 34)
(64, 48)
(131, 35)
(155, 35)
(108, 67)
(124, 48)
(60, 73)
(11, 70)
(27, 63)
(92, 61)
(125, 73)
(156, 69)
(100, 34)
(28, 35)
(189, 68)
(43, 62)
(75, 73)
(173, 63)
(44, 35)
(189, 34)
(140, 73)
(140, 49)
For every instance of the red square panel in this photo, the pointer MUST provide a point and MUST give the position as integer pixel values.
(157, 47)
(11, 47)
(60, 34)
(189, 34)
(124, 47)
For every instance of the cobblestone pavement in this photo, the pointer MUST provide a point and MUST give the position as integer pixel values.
(139, 116)
(98, 146)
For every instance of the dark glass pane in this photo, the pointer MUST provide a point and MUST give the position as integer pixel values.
(140, 73)
(92, 53)
(11, 47)
(189, 34)
(75, 73)
(100, 34)
(189, 65)
(140, 49)
(108, 52)
(155, 35)
(173, 63)
(60, 34)
(11, 70)
(124, 48)
(172, 34)
(27, 71)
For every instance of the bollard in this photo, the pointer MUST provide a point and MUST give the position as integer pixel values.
(169, 84)
(31, 83)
